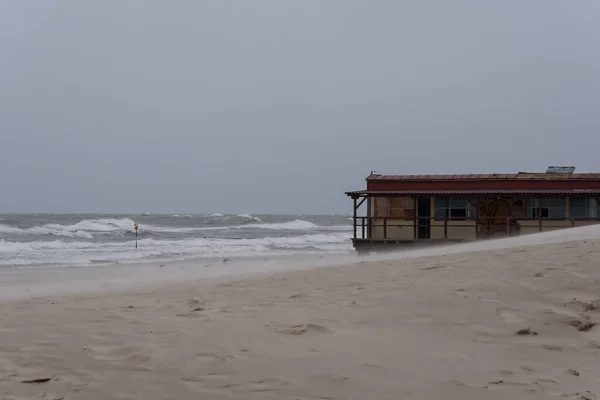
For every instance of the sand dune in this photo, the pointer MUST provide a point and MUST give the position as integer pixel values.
(515, 321)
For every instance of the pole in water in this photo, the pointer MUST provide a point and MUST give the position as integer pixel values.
(136, 233)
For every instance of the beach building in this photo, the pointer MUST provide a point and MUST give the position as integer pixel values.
(414, 210)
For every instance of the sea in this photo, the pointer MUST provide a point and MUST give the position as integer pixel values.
(37, 240)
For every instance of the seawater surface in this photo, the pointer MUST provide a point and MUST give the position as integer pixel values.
(85, 239)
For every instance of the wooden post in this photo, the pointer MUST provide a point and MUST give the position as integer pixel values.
(476, 205)
(539, 209)
(446, 226)
(370, 227)
(415, 218)
(363, 227)
(355, 215)
(385, 228)
(507, 226)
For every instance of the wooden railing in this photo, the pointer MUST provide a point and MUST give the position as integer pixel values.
(483, 226)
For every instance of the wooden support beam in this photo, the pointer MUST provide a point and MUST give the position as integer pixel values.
(476, 205)
(359, 204)
(446, 226)
(363, 227)
(385, 228)
(415, 218)
(539, 210)
(355, 216)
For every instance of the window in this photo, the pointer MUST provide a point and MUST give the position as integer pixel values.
(395, 207)
(584, 207)
(552, 207)
(382, 206)
(453, 208)
(402, 207)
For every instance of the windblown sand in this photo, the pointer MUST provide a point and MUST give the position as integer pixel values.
(515, 323)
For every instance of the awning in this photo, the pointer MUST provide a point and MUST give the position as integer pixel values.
(475, 192)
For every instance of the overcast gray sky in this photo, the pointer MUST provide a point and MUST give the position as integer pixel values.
(281, 106)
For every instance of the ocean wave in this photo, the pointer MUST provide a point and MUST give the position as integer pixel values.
(298, 224)
(84, 252)
(10, 246)
(89, 228)
(249, 218)
(46, 230)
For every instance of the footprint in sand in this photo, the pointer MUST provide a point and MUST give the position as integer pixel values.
(268, 384)
(299, 329)
(509, 315)
(210, 383)
(105, 335)
(211, 357)
(134, 357)
(36, 347)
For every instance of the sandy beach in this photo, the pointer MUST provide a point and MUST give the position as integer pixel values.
(506, 323)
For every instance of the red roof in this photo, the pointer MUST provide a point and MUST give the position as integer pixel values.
(472, 192)
(469, 177)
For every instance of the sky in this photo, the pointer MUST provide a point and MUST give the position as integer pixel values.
(271, 106)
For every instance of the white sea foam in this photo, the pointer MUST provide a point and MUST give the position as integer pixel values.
(92, 239)
(67, 252)
(89, 228)
(297, 224)
(249, 217)
(47, 230)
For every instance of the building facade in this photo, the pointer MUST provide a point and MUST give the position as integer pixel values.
(414, 210)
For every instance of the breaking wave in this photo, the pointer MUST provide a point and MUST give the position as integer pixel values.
(88, 229)
(82, 252)
(249, 218)
(297, 224)
(81, 239)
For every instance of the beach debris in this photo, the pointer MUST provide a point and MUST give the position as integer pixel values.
(552, 347)
(592, 306)
(438, 266)
(573, 372)
(526, 331)
(199, 309)
(586, 396)
(585, 327)
(37, 380)
(299, 329)
(584, 306)
(226, 260)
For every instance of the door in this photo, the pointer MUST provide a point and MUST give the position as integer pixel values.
(423, 218)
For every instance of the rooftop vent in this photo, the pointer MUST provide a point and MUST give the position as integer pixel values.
(554, 169)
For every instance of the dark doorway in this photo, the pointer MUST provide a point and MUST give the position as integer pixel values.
(423, 218)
